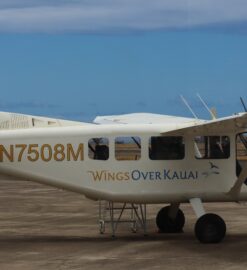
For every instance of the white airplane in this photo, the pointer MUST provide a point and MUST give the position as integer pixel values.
(135, 158)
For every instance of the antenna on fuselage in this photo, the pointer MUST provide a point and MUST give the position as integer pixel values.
(188, 106)
(207, 108)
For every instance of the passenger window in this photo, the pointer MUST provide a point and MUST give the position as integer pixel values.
(166, 148)
(212, 147)
(128, 148)
(98, 148)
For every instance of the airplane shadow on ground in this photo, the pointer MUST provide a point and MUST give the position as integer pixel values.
(180, 239)
(183, 245)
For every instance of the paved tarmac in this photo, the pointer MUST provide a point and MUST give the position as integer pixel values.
(46, 228)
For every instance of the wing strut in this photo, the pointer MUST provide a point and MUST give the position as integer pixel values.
(235, 190)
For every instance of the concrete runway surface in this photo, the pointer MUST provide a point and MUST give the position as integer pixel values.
(46, 228)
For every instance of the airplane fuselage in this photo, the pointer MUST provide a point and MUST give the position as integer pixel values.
(60, 156)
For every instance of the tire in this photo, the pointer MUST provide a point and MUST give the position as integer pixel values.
(168, 225)
(210, 228)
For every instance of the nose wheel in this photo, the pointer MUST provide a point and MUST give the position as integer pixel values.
(210, 228)
(169, 222)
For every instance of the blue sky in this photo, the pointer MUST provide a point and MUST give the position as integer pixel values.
(78, 59)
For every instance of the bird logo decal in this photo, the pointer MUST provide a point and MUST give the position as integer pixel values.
(213, 166)
(214, 169)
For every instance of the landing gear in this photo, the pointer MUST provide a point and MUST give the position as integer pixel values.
(210, 228)
(168, 222)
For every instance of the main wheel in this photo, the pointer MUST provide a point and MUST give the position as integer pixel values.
(210, 228)
(167, 224)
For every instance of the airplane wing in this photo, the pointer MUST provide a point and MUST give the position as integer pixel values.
(236, 123)
(141, 118)
(179, 125)
(23, 121)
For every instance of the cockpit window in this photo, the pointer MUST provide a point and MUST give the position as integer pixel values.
(241, 146)
(212, 147)
(98, 148)
(241, 153)
(166, 148)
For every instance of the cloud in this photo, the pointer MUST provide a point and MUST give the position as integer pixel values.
(114, 16)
